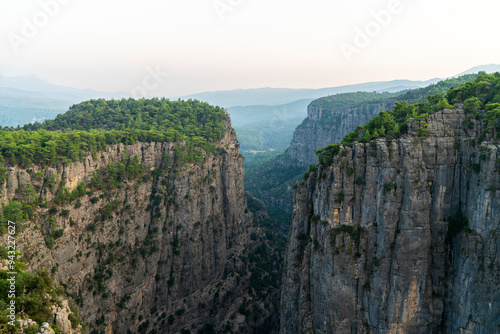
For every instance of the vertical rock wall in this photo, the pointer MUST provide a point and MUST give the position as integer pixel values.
(170, 251)
(370, 250)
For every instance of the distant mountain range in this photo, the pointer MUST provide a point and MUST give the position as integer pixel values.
(25, 99)
(492, 68)
(265, 127)
(276, 96)
(32, 86)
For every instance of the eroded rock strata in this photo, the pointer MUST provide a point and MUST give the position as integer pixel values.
(169, 251)
(379, 241)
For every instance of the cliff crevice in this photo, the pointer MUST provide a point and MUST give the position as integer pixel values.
(165, 249)
(392, 236)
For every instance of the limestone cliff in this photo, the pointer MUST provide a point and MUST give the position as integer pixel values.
(325, 125)
(379, 242)
(168, 252)
(328, 120)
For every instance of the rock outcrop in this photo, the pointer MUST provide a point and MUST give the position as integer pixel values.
(61, 313)
(326, 125)
(379, 242)
(168, 252)
(328, 120)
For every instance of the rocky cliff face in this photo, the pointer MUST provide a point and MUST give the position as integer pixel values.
(373, 248)
(168, 252)
(324, 126)
(273, 181)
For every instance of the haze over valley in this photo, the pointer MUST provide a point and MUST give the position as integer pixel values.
(239, 167)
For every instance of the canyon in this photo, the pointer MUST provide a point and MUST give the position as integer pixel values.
(169, 251)
(393, 235)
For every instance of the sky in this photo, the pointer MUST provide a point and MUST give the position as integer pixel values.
(179, 47)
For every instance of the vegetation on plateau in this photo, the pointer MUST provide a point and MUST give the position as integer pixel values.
(273, 179)
(332, 106)
(481, 99)
(339, 102)
(90, 126)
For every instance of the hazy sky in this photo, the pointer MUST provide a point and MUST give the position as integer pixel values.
(226, 44)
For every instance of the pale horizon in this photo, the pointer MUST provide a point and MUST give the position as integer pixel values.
(202, 46)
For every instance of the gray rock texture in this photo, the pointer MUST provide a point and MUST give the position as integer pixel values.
(171, 252)
(61, 317)
(324, 126)
(370, 248)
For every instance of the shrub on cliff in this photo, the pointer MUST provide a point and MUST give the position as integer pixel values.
(90, 126)
(35, 293)
(481, 94)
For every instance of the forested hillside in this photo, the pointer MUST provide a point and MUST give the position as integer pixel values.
(329, 120)
(19, 110)
(394, 230)
(332, 106)
(137, 208)
(90, 126)
(481, 99)
(267, 127)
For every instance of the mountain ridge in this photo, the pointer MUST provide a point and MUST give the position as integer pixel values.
(142, 234)
(391, 235)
